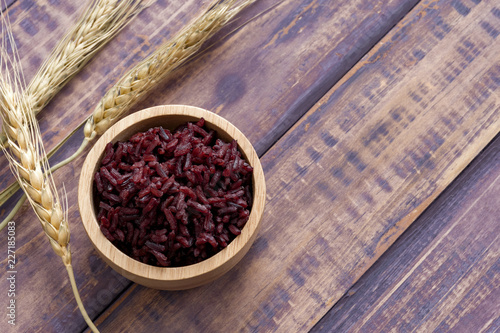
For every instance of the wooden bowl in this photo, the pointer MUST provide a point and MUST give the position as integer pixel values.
(170, 278)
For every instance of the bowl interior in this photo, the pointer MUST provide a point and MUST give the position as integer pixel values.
(170, 117)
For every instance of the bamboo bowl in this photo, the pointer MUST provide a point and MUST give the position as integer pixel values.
(170, 278)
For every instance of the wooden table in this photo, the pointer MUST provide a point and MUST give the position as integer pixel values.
(377, 125)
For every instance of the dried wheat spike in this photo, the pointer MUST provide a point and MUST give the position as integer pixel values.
(98, 24)
(28, 160)
(144, 76)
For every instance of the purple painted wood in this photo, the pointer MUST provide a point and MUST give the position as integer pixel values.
(443, 272)
(295, 53)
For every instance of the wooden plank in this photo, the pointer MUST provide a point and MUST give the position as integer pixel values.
(462, 206)
(295, 40)
(351, 176)
(299, 49)
(443, 272)
(7, 4)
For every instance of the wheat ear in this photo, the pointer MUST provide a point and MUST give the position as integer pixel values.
(28, 162)
(143, 77)
(102, 20)
(99, 23)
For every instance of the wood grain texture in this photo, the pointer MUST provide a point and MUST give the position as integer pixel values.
(6, 4)
(351, 176)
(306, 54)
(299, 49)
(443, 272)
(170, 278)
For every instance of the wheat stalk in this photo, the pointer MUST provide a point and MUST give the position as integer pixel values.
(99, 23)
(28, 162)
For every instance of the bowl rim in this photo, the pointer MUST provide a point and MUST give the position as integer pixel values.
(130, 265)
